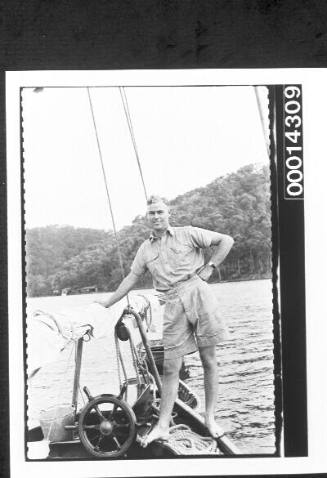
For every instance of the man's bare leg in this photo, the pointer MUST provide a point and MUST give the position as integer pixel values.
(209, 362)
(170, 382)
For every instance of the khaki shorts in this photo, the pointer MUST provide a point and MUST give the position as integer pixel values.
(191, 319)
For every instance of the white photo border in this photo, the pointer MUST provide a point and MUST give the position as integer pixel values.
(314, 104)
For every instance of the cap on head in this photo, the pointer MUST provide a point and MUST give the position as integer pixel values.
(156, 199)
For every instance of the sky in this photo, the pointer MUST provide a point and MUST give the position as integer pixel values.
(185, 136)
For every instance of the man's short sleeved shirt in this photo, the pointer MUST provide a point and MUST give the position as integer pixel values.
(175, 256)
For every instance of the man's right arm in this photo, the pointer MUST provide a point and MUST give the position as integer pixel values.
(125, 286)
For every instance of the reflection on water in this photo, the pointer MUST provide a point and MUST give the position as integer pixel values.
(245, 406)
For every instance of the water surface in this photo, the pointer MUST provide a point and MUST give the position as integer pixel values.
(245, 405)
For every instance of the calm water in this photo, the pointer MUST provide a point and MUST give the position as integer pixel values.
(245, 406)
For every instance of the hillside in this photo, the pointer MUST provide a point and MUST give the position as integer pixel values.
(237, 204)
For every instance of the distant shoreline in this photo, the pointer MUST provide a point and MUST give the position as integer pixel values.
(146, 288)
(246, 279)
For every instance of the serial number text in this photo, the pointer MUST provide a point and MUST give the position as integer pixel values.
(293, 143)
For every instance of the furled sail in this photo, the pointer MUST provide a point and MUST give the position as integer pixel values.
(48, 334)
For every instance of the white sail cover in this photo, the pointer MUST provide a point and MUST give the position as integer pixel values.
(48, 334)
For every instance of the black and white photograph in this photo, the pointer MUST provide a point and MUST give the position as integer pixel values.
(147, 192)
(155, 283)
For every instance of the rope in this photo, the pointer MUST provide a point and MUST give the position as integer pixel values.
(147, 308)
(81, 394)
(120, 363)
(131, 130)
(123, 96)
(147, 376)
(135, 361)
(107, 189)
(186, 442)
(117, 358)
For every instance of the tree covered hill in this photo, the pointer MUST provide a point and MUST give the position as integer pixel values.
(237, 204)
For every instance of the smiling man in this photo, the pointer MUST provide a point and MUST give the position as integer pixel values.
(174, 256)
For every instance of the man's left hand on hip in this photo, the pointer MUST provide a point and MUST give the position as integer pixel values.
(205, 272)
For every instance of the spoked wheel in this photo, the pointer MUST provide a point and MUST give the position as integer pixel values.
(107, 427)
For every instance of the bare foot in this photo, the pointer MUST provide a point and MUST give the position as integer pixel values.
(158, 433)
(213, 428)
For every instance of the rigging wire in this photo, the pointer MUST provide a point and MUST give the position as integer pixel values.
(131, 130)
(107, 189)
(60, 393)
(256, 91)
